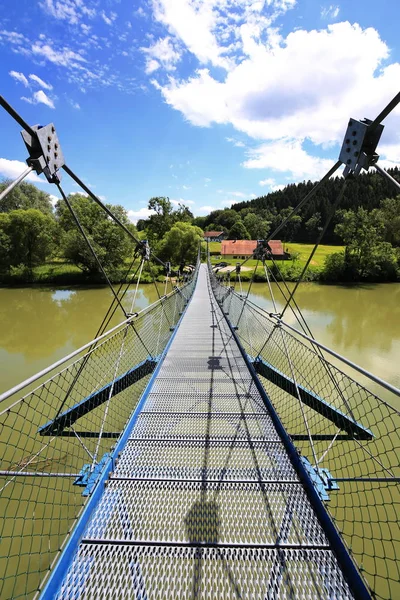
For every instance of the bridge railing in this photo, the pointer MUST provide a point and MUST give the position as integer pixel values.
(59, 431)
(347, 434)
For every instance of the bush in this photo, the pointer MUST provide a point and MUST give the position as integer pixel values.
(382, 265)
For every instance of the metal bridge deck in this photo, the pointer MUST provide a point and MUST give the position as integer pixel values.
(204, 501)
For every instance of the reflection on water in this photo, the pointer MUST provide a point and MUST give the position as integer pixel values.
(60, 295)
(39, 326)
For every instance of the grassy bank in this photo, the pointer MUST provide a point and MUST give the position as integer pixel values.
(61, 273)
(290, 269)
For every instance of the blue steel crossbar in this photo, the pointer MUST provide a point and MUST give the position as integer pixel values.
(68, 418)
(312, 400)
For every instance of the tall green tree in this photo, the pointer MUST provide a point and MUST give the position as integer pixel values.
(111, 243)
(258, 228)
(238, 232)
(25, 196)
(182, 214)
(28, 238)
(180, 243)
(366, 255)
(159, 223)
(389, 213)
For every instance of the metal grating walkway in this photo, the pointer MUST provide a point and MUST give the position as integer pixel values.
(204, 501)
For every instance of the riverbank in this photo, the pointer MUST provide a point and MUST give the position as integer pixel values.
(327, 266)
(60, 273)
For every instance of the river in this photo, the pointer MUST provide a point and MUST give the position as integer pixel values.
(41, 325)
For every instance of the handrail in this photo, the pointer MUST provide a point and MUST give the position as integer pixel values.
(385, 384)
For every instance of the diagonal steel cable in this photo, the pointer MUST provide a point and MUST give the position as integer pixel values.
(321, 235)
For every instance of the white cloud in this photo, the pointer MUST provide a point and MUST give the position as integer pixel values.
(75, 105)
(193, 24)
(40, 82)
(182, 201)
(390, 154)
(330, 12)
(19, 77)
(287, 155)
(13, 37)
(186, 187)
(54, 200)
(268, 181)
(163, 53)
(237, 194)
(278, 187)
(151, 65)
(142, 213)
(39, 98)
(236, 143)
(292, 89)
(205, 209)
(64, 57)
(67, 10)
(109, 20)
(207, 179)
(11, 169)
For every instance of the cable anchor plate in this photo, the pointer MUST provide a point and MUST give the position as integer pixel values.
(45, 154)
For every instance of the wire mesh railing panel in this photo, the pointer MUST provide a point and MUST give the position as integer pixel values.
(62, 432)
(350, 436)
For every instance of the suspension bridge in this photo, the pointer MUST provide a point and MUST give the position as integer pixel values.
(203, 447)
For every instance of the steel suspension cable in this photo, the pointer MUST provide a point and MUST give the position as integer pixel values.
(117, 363)
(107, 210)
(293, 376)
(90, 246)
(321, 235)
(16, 182)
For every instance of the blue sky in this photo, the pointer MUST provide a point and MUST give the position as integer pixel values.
(208, 102)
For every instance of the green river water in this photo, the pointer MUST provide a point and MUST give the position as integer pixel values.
(39, 326)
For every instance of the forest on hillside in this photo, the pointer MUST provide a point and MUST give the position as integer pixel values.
(366, 191)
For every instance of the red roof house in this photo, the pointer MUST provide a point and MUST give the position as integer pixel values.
(214, 236)
(245, 248)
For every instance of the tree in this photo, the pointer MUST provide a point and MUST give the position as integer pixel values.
(360, 232)
(288, 231)
(257, 227)
(199, 222)
(227, 218)
(28, 237)
(159, 223)
(238, 232)
(25, 196)
(366, 256)
(180, 243)
(389, 212)
(313, 227)
(182, 214)
(110, 242)
(5, 245)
